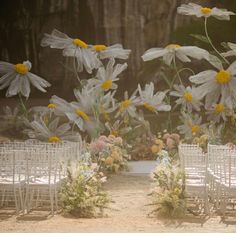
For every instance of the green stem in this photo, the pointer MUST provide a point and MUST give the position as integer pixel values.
(75, 68)
(25, 113)
(209, 40)
(177, 73)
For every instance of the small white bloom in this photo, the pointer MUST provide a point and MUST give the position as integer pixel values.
(153, 102)
(105, 78)
(215, 85)
(231, 52)
(51, 132)
(217, 112)
(18, 78)
(117, 129)
(187, 97)
(199, 11)
(127, 107)
(191, 125)
(76, 112)
(113, 51)
(183, 53)
(50, 109)
(85, 56)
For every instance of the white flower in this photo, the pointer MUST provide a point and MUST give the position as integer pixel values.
(113, 51)
(76, 112)
(116, 129)
(105, 78)
(215, 84)
(199, 11)
(191, 125)
(85, 56)
(181, 52)
(51, 132)
(127, 107)
(217, 112)
(18, 78)
(187, 97)
(107, 105)
(231, 52)
(50, 109)
(153, 102)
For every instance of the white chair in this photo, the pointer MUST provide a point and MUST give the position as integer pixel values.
(194, 164)
(12, 178)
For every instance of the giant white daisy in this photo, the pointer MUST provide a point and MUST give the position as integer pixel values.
(183, 53)
(217, 85)
(84, 54)
(105, 78)
(192, 125)
(52, 132)
(18, 78)
(187, 97)
(153, 102)
(200, 11)
(113, 51)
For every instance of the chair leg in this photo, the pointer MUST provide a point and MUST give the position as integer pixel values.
(51, 195)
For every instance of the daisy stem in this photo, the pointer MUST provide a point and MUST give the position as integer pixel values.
(177, 73)
(209, 40)
(75, 70)
(23, 105)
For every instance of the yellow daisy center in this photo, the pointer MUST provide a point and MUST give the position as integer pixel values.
(195, 129)
(188, 96)
(82, 114)
(52, 106)
(80, 43)
(106, 85)
(149, 107)
(99, 47)
(173, 46)
(21, 68)
(206, 10)
(223, 77)
(115, 133)
(54, 139)
(219, 108)
(125, 104)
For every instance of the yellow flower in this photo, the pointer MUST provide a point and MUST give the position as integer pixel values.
(223, 77)
(206, 10)
(52, 106)
(125, 104)
(21, 68)
(195, 129)
(106, 85)
(82, 114)
(149, 107)
(54, 139)
(219, 108)
(188, 96)
(80, 43)
(173, 46)
(99, 48)
(109, 161)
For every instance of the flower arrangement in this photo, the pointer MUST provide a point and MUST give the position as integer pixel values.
(168, 195)
(109, 153)
(82, 194)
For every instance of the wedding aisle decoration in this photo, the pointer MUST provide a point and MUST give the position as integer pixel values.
(113, 129)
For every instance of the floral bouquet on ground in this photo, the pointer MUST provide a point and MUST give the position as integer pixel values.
(168, 194)
(82, 193)
(110, 154)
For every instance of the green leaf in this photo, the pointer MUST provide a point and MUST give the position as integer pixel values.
(200, 37)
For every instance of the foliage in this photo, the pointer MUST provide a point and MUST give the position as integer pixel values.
(168, 194)
(82, 193)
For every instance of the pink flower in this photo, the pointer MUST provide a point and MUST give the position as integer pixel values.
(97, 146)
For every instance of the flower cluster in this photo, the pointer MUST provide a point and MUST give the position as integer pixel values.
(109, 153)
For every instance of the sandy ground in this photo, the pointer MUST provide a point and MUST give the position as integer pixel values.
(128, 214)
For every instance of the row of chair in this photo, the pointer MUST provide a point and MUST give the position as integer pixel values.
(31, 173)
(211, 176)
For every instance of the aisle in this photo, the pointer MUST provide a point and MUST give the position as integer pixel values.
(128, 214)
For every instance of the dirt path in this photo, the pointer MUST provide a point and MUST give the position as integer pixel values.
(128, 214)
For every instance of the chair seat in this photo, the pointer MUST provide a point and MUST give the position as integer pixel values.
(8, 180)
